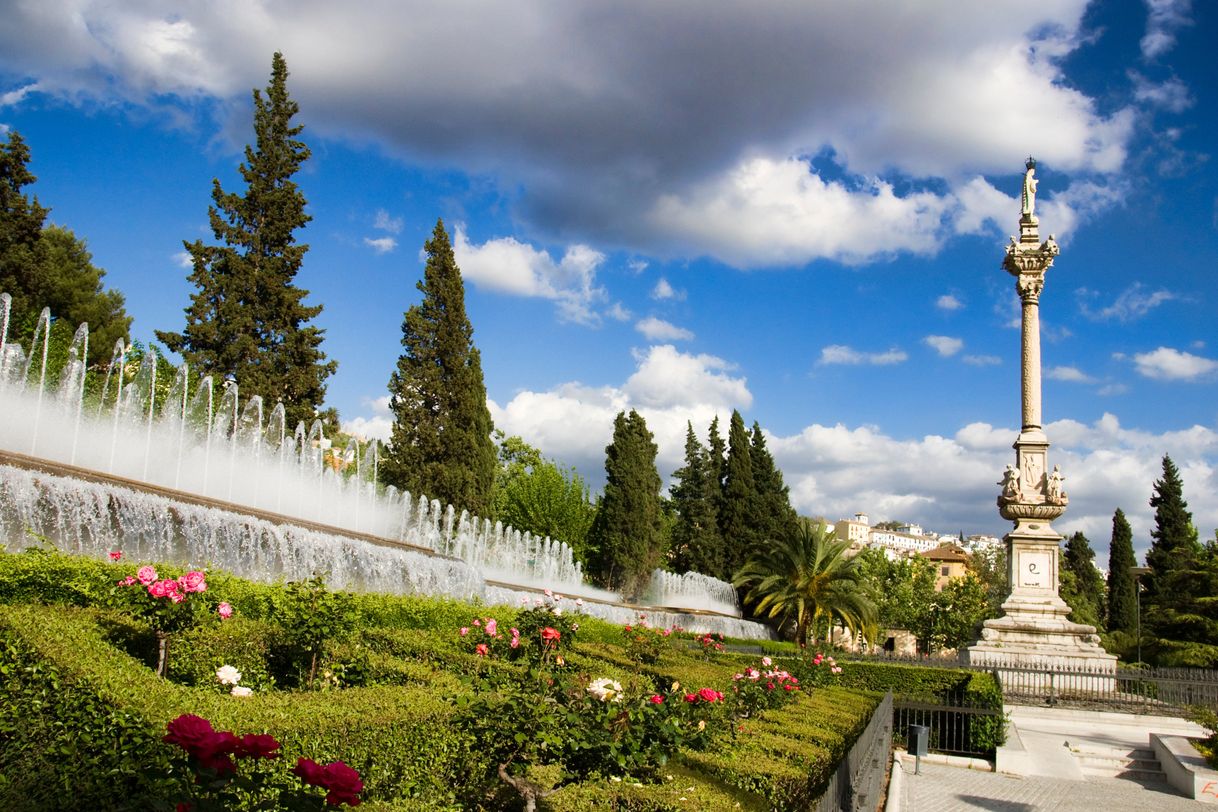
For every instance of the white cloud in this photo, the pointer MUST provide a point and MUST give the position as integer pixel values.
(1131, 304)
(1112, 389)
(982, 207)
(381, 245)
(779, 212)
(949, 302)
(385, 222)
(659, 330)
(664, 290)
(14, 97)
(183, 259)
(982, 360)
(1171, 94)
(946, 346)
(637, 265)
(378, 425)
(937, 92)
(508, 266)
(841, 354)
(1164, 17)
(1167, 364)
(618, 312)
(573, 422)
(1068, 374)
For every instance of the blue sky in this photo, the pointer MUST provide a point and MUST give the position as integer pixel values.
(793, 209)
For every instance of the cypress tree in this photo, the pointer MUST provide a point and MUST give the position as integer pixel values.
(248, 319)
(1174, 548)
(1088, 598)
(774, 517)
(1122, 587)
(716, 452)
(739, 511)
(696, 544)
(627, 532)
(441, 438)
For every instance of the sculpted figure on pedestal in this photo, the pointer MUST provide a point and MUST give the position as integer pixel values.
(1053, 487)
(1029, 189)
(1010, 484)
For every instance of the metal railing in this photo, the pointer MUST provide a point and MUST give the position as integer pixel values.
(859, 780)
(954, 729)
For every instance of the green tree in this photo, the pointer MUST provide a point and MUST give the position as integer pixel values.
(48, 266)
(773, 516)
(441, 439)
(716, 465)
(534, 494)
(901, 589)
(248, 319)
(696, 543)
(628, 529)
(807, 578)
(989, 564)
(954, 614)
(1174, 548)
(1085, 593)
(1122, 587)
(738, 510)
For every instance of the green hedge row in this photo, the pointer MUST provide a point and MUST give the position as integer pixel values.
(64, 673)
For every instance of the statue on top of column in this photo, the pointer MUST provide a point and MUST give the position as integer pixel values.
(1029, 188)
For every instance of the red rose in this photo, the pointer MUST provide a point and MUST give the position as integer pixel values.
(549, 633)
(310, 771)
(343, 783)
(214, 752)
(188, 732)
(710, 695)
(656, 699)
(691, 697)
(257, 745)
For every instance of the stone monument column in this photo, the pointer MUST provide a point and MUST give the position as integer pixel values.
(1034, 629)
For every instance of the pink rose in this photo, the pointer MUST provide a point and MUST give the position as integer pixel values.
(478, 623)
(225, 610)
(464, 630)
(146, 575)
(709, 695)
(492, 626)
(481, 650)
(194, 581)
(115, 555)
(128, 581)
(176, 597)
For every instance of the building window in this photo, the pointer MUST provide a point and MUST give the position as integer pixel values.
(945, 570)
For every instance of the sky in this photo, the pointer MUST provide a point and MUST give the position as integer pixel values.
(794, 209)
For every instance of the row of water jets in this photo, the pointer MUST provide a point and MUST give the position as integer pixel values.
(206, 442)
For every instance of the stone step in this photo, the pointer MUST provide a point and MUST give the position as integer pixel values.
(1138, 764)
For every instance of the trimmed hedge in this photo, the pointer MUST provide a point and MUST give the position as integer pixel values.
(401, 740)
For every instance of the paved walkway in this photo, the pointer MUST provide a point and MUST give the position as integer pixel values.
(1039, 772)
(955, 789)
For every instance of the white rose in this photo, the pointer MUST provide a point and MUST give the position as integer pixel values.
(228, 675)
(241, 690)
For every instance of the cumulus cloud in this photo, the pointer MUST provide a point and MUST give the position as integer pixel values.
(664, 290)
(637, 139)
(1167, 364)
(1130, 304)
(573, 422)
(982, 360)
(946, 346)
(948, 302)
(842, 354)
(1068, 374)
(17, 95)
(659, 330)
(183, 259)
(381, 245)
(377, 425)
(506, 265)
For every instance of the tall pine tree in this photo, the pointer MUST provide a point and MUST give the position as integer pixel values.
(696, 543)
(738, 512)
(1174, 548)
(774, 517)
(1087, 597)
(1122, 586)
(248, 319)
(627, 533)
(441, 439)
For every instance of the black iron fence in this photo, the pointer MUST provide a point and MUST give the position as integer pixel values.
(859, 781)
(954, 729)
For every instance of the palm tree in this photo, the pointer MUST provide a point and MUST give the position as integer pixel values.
(806, 577)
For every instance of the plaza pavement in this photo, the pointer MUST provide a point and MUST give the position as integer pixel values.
(1038, 770)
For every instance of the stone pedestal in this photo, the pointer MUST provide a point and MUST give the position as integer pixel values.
(1034, 636)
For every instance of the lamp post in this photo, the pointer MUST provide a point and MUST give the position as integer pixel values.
(1138, 572)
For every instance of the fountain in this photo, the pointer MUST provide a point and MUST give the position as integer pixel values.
(194, 475)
